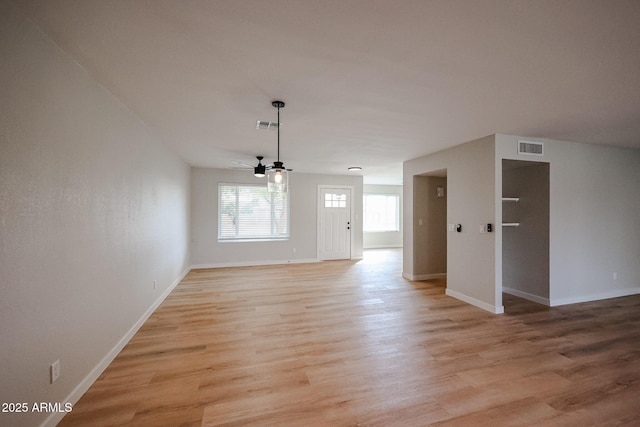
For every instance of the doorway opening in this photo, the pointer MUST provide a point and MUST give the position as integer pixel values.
(525, 230)
(430, 225)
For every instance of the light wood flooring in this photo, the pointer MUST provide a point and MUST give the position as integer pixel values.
(346, 343)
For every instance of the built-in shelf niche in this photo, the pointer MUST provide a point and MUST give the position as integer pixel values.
(525, 229)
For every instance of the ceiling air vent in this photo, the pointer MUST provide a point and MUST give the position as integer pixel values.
(266, 125)
(530, 148)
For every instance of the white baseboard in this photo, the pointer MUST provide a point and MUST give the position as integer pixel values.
(399, 245)
(473, 301)
(419, 277)
(254, 263)
(617, 293)
(526, 295)
(53, 419)
(408, 276)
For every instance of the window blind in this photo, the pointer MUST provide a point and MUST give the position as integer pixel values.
(250, 212)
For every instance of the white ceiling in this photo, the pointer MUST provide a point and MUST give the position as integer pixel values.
(367, 83)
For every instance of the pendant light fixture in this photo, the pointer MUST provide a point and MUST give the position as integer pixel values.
(277, 179)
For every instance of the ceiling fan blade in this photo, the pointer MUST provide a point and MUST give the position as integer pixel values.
(245, 165)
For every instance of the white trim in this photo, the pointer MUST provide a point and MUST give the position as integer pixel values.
(473, 301)
(419, 277)
(75, 395)
(399, 245)
(595, 297)
(526, 295)
(254, 263)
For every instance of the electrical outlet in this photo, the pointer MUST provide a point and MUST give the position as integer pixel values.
(615, 276)
(155, 284)
(54, 371)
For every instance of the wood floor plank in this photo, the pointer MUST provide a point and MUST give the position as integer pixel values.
(346, 343)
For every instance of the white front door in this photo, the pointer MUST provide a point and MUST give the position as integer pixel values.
(334, 228)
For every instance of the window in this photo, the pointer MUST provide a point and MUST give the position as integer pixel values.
(381, 212)
(335, 200)
(250, 212)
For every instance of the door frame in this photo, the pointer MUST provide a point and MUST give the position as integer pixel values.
(320, 206)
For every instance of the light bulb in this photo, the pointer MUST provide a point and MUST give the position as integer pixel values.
(278, 177)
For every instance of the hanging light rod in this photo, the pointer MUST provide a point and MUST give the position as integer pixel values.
(278, 105)
(277, 176)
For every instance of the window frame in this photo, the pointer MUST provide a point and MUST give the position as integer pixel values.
(397, 212)
(270, 238)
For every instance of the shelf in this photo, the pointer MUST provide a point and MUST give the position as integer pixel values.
(510, 199)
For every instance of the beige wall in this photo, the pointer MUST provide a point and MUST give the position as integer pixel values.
(93, 209)
(470, 202)
(594, 208)
(303, 192)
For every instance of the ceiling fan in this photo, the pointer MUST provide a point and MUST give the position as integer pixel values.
(276, 173)
(259, 170)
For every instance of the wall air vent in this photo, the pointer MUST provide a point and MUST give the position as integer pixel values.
(531, 148)
(266, 125)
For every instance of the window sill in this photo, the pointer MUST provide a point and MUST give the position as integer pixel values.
(280, 239)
